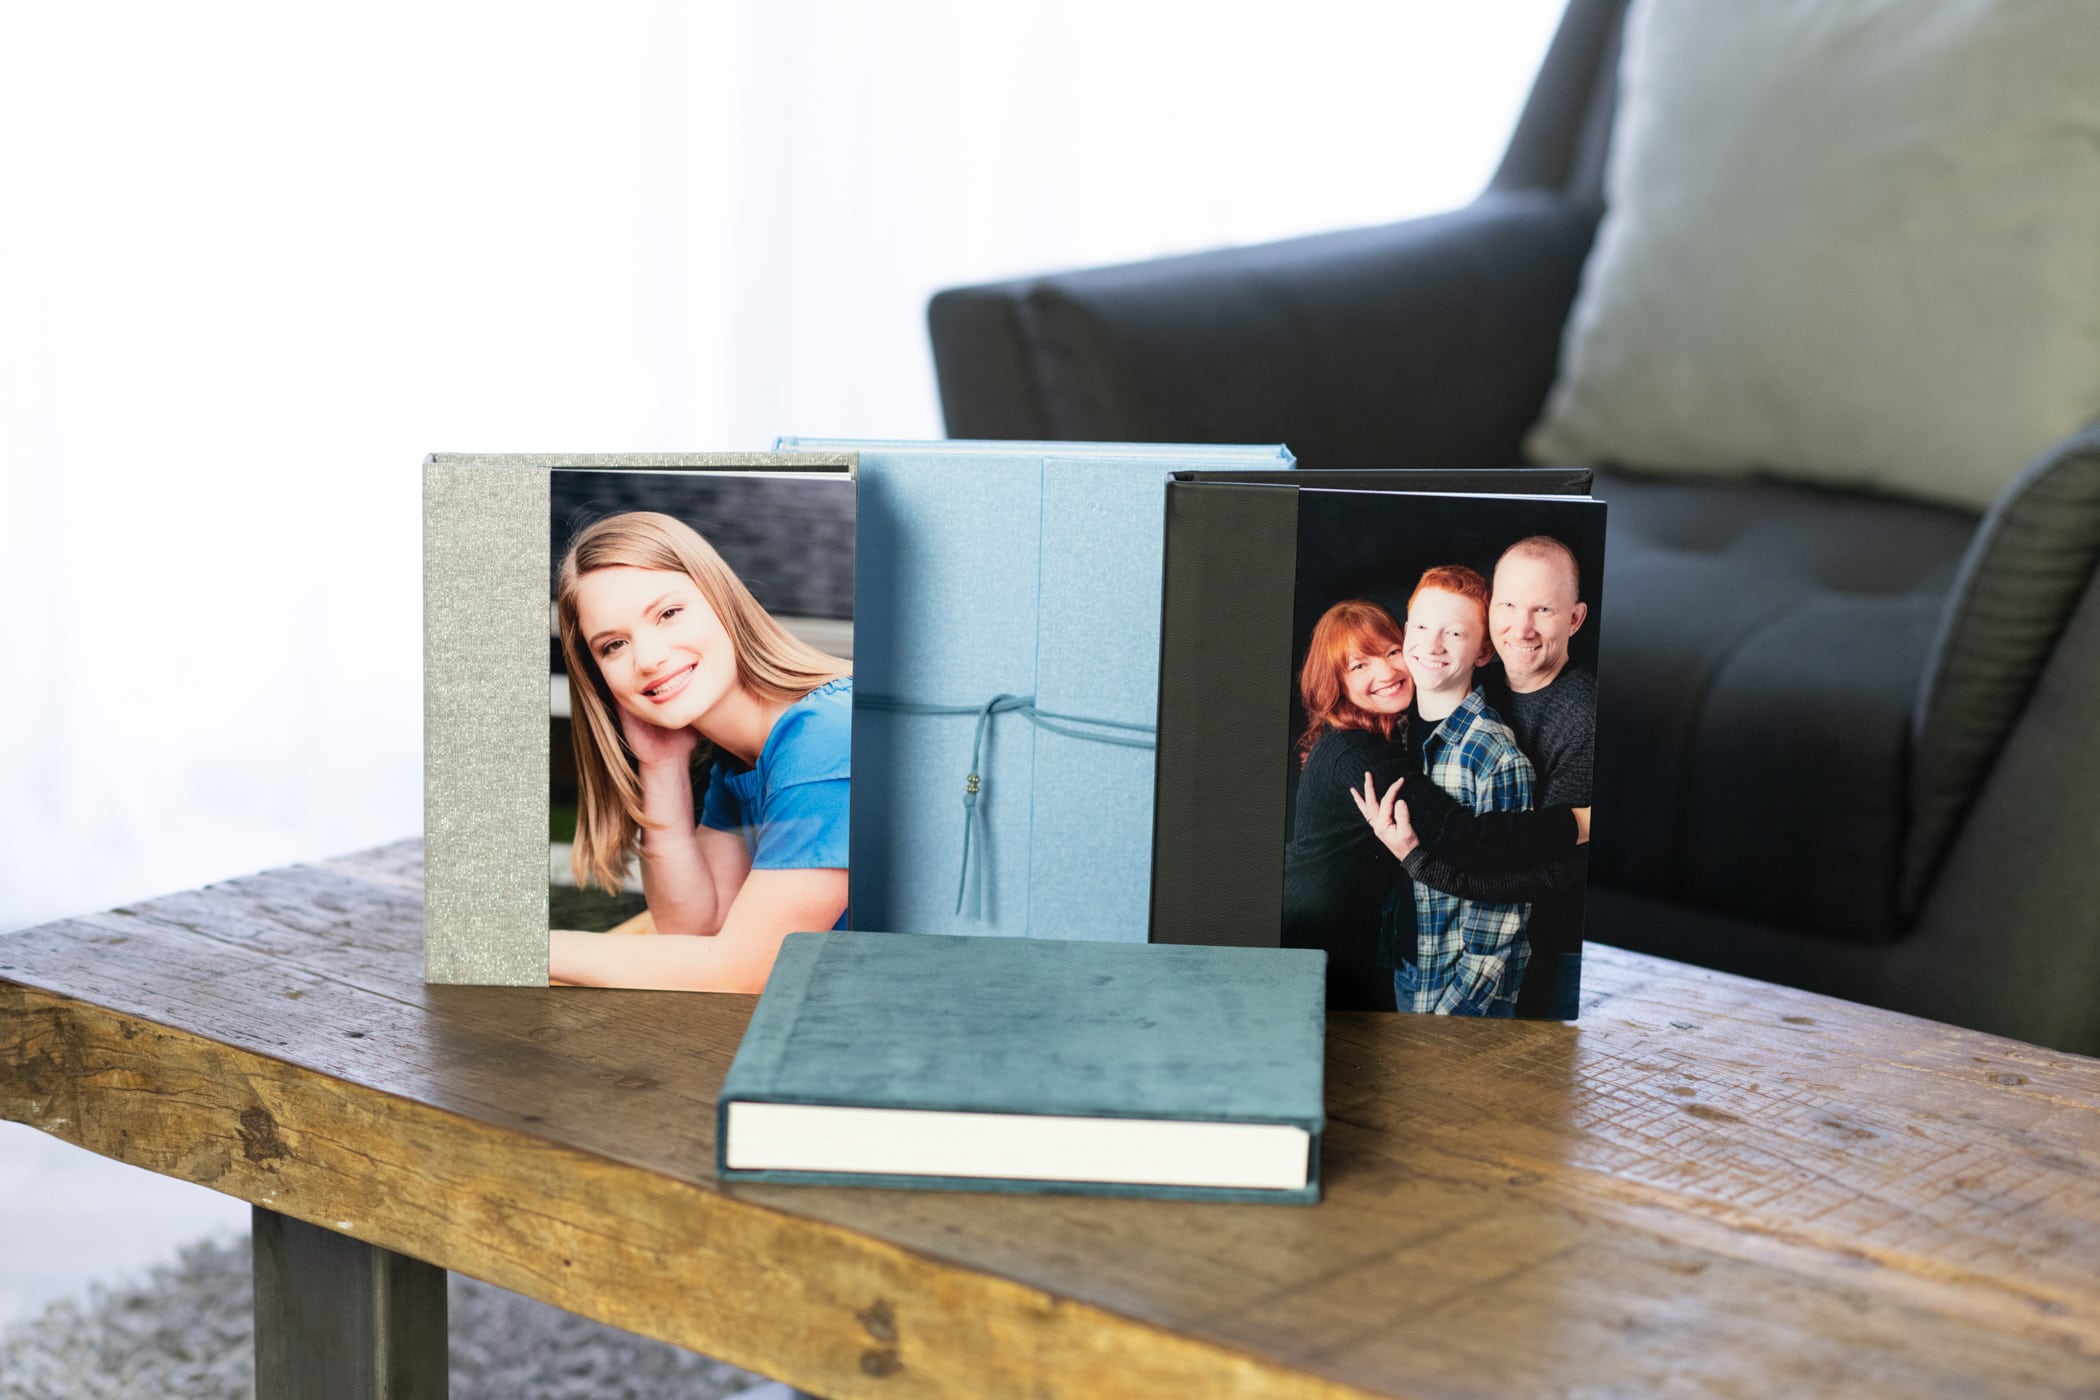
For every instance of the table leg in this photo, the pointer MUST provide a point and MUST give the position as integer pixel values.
(338, 1319)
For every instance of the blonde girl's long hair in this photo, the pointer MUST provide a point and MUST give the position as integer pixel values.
(770, 664)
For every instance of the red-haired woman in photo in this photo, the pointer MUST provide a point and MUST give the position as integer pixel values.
(1337, 875)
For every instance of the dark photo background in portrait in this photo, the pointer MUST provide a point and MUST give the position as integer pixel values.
(1376, 546)
(788, 537)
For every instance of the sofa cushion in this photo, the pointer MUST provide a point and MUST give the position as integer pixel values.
(1763, 648)
(1847, 243)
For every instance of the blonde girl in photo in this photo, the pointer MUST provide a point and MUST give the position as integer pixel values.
(673, 664)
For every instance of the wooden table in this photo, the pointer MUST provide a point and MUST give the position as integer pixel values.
(1710, 1185)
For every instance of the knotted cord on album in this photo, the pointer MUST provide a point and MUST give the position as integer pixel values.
(1101, 731)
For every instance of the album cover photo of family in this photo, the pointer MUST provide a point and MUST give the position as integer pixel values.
(1440, 749)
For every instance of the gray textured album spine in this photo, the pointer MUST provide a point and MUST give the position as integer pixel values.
(485, 728)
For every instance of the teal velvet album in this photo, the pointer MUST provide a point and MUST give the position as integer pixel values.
(1045, 1065)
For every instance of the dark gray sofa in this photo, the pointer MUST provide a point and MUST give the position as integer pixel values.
(1846, 742)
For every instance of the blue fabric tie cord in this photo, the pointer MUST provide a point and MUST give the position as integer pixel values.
(1100, 731)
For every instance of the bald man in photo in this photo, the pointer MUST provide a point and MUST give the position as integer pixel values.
(1551, 706)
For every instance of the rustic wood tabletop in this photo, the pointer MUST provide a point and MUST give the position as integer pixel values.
(1707, 1185)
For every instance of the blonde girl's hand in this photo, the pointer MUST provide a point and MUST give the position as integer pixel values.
(654, 746)
(1387, 817)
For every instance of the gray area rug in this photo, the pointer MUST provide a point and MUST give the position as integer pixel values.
(186, 1329)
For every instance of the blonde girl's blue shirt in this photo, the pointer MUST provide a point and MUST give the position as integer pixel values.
(791, 806)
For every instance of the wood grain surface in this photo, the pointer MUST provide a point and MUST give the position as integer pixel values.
(1707, 1186)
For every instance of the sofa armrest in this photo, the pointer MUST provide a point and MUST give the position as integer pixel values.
(2032, 560)
(1425, 343)
(2008, 939)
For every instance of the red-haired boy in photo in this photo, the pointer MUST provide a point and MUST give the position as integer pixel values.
(1468, 956)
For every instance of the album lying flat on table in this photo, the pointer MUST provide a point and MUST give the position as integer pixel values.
(1052, 1065)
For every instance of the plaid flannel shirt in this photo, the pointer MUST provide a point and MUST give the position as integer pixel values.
(1470, 955)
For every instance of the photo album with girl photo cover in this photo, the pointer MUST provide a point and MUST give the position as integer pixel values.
(638, 715)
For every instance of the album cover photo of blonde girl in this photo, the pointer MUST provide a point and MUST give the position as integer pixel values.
(701, 704)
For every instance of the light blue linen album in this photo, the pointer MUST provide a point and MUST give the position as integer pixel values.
(1006, 681)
